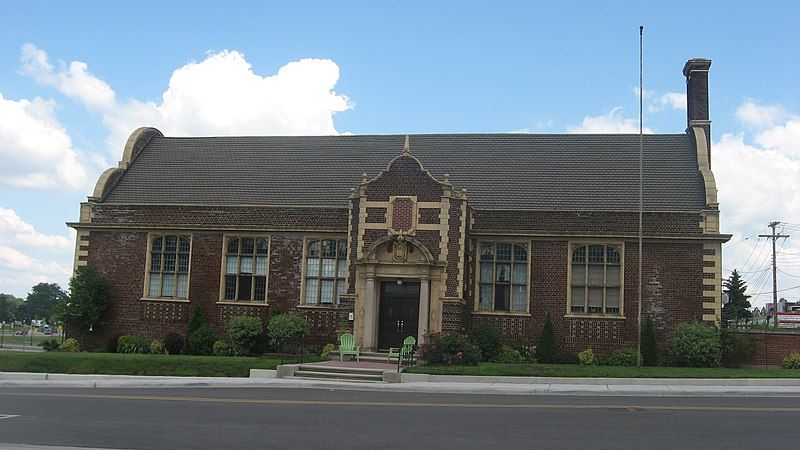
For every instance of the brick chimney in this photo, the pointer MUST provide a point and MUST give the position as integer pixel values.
(696, 72)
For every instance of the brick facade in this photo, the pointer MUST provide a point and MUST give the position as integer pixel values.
(679, 265)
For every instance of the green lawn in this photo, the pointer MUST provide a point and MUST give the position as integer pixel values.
(574, 370)
(121, 364)
(10, 339)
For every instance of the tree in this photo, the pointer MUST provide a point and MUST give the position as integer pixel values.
(738, 306)
(546, 347)
(8, 307)
(41, 302)
(89, 297)
(649, 343)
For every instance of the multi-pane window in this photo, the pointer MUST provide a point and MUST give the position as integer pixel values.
(326, 269)
(169, 267)
(596, 279)
(503, 279)
(246, 263)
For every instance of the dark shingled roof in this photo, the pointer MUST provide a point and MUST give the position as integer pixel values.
(500, 171)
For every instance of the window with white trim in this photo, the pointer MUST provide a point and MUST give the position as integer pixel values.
(246, 267)
(168, 274)
(503, 278)
(326, 270)
(596, 285)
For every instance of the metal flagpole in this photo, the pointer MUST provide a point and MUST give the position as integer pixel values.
(639, 291)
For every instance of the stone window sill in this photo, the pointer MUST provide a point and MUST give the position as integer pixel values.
(593, 316)
(318, 306)
(501, 313)
(165, 299)
(242, 303)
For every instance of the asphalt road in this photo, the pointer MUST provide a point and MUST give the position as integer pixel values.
(305, 418)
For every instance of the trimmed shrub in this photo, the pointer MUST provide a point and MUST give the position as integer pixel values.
(201, 341)
(289, 326)
(649, 343)
(736, 347)
(546, 347)
(221, 348)
(696, 345)
(49, 345)
(623, 357)
(156, 347)
(792, 361)
(196, 321)
(527, 349)
(133, 344)
(244, 332)
(173, 343)
(586, 357)
(326, 351)
(488, 339)
(70, 345)
(450, 348)
(510, 355)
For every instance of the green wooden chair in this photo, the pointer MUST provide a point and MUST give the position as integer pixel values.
(403, 352)
(347, 346)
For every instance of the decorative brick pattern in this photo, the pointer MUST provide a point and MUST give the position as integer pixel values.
(429, 216)
(255, 217)
(404, 177)
(453, 248)
(376, 215)
(588, 222)
(453, 315)
(402, 209)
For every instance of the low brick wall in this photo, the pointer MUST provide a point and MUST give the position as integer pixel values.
(773, 346)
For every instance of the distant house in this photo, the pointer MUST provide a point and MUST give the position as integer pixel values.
(392, 235)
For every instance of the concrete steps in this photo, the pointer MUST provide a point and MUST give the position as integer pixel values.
(366, 356)
(324, 372)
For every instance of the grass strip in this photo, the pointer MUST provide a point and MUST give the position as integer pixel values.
(579, 371)
(122, 364)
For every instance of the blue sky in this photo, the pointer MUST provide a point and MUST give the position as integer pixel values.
(374, 68)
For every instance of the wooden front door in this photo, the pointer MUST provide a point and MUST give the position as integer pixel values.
(399, 313)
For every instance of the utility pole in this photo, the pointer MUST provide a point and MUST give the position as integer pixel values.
(774, 237)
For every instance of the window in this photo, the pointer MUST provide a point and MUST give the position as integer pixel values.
(326, 269)
(596, 280)
(168, 274)
(503, 280)
(246, 265)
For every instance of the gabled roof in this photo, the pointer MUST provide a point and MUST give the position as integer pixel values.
(500, 171)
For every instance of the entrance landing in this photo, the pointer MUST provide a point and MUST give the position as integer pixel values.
(358, 364)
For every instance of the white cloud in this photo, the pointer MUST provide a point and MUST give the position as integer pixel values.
(785, 137)
(675, 100)
(28, 257)
(74, 80)
(610, 123)
(755, 115)
(16, 232)
(758, 183)
(220, 95)
(36, 150)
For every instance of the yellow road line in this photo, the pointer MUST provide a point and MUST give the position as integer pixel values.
(631, 408)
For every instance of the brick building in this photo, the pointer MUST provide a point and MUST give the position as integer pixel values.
(390, 236)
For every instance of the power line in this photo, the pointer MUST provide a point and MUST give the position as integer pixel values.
(774, 237)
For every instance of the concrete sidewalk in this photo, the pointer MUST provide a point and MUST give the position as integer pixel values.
(449, 384)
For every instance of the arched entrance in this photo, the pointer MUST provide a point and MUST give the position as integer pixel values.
(398, 284)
